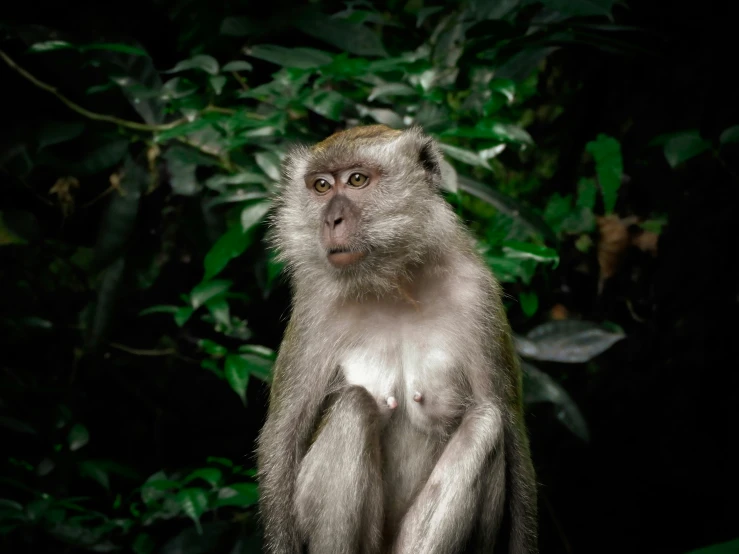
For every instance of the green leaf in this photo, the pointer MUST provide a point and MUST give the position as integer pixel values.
(78, 437)
(238, 494)
(567, 341)
(580, 7)
(202, 124)
(237, 65)
(217, 83)
(258, 350)
(201, 61)
(216, 460)
(16, 425)
(206, 290)
(177, 88)
(57, 132)
(114, 47)
(8, 504)
(259, 365)
(509, 132)
(269, 162)
(527, 251)
(182, 315)
(463, 155)
(587, 189)
(490, 153)
(213, 366)
(94, 471)
(300, 58)
(730, 547)
(219, 309)
(182, 174)
(492, 131)
(230, 245)
(509, 206)
(529, 302)
(212, 347)
(424, 13)
(655, 224)
(7, 235)
(328, 103)
(217, 182)
(101, 158)
(609, 166)
(274, 269)
(390, 89)
(506, 87)
(209, 474)
(540, 387)
(159, 310)
(253, 214)
(344, 35)
(102, 310)
(449, 181)
(731, 134)
(193, 502)
(143, 544)
(239, 26)
(155, 487)
(50, 45)
(681, 147)
(381, 115)
(237, 375)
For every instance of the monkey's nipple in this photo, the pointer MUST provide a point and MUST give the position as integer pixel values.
(417, 397)
(392, 403)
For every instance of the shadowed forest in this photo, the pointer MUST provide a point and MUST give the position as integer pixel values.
(590, 145)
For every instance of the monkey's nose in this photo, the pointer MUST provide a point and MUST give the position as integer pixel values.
(334, 222)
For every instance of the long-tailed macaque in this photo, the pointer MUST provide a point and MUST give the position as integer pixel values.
(395, 422)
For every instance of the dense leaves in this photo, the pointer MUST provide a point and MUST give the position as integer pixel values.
(133, 251)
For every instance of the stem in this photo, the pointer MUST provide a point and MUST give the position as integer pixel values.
(143, 352)
(85, 112)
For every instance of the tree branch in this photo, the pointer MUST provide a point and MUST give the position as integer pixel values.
(87, 113)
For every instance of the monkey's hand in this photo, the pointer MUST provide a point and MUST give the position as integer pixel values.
(441, 517)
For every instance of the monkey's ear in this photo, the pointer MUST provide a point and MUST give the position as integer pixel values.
(426, 153)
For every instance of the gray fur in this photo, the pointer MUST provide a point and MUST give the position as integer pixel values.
(340, 470)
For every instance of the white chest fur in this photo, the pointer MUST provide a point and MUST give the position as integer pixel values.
(413, 356)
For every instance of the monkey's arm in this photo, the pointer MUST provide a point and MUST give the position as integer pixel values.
(283, 442)
(441, 517)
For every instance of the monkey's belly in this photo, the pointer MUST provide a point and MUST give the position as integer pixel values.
(408, 457)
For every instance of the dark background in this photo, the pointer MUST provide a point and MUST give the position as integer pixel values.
(658, 473)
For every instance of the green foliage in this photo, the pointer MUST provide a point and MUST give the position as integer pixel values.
(608, 166)
(186, 189)
(729, 547)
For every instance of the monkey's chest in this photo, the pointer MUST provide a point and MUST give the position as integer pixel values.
(411, 376)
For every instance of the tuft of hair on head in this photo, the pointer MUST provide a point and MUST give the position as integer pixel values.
(362, 132)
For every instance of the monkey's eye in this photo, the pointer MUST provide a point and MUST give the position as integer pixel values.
(357, 179)
(321, 186)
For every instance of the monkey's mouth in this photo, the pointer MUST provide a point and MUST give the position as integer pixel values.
(343, 256)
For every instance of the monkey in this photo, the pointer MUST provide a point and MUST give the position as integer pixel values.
(395, 420)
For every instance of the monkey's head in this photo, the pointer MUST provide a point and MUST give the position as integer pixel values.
(363, 207)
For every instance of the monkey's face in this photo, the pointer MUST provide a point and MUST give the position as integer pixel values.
(361, 206)
(343, 195)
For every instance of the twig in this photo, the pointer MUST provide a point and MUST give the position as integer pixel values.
(241, 80)
(218, 109)
(87, 113)
(143, 352)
